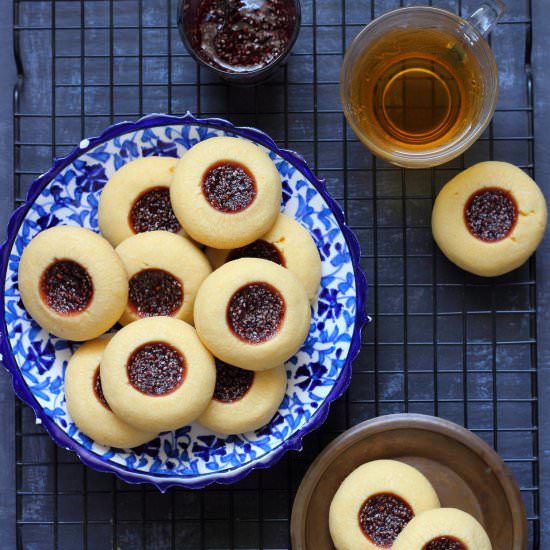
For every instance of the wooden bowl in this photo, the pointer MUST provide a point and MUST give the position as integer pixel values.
(465, 471)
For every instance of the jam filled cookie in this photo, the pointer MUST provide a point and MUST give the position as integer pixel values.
(87, 405)
(226, 192)
(288, 244)
(375, 502)
(72, 282)
(252, 313)
(165, 272)
(489, 219)
(157, 375)
(243, 400)
(443, 529)
(136, 199)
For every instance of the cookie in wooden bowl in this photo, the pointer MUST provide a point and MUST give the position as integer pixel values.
(443, 529)
(375, 502)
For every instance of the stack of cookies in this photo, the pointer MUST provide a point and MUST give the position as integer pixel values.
(211, 283)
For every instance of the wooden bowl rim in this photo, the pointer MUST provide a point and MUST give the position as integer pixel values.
(400, 421)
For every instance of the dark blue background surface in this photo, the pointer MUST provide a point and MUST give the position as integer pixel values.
(439, 349)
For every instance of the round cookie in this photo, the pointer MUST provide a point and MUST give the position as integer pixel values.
(226, 192)
(252, 313)
(489, 219)
(72, 282)
(87, 405)
(165, 272)
(443, 529)
(136, 199)
(243, 400)
(157, 375)
(375, 502)
(288, 244)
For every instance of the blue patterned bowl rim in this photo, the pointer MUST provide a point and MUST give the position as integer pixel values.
(293, 443)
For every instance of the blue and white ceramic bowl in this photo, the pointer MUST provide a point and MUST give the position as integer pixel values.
(192, 456)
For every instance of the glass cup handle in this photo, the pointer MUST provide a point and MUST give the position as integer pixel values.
(487, 16)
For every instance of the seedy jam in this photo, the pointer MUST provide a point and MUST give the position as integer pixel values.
(232, 383)
(445, 543)
(154, 292)
(491, 214)
(156, 368)
(229, 187)
(382, 517)
(243, 35)
(258, 249)
(152, 211)
(66, 287)
(255, 312)
(99, 390)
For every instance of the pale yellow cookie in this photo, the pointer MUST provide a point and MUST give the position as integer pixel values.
(252, 313)
(226, 192)
(489, 219)
(288, 244)
(87, 405)
(165, 272)
(375, 502)
(72, 282)
(136, 199)
(443, 528)
(243, 400)
(157, 375)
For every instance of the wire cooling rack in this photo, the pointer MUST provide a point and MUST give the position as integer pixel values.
(442, 342)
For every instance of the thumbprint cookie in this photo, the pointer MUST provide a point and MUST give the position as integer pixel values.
(288, 244)
(72, 282)
(443, 529)
(252, 313)
(375, 502)
(226, 192)
(136, 199)
(489, 219)
(157, 375)
(87, 405)
(165, 272)
(243, 400)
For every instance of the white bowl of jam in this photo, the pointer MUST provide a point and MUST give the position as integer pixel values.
(243, 41)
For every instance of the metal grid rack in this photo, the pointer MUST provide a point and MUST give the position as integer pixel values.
(442, 342)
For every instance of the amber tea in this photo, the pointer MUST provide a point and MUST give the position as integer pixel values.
(416, 88)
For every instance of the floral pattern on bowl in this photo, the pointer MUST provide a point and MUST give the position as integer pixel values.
(192, 456)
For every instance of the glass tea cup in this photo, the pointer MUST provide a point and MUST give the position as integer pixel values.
(419, 85)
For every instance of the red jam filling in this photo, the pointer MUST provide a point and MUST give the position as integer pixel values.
(229, 187)
(240, 35)
(155, 292)
(156, 368)
(66, 287)
(232, 383)
(445, 543)
(255, 312)
(152, 211)
(258, 249)
(99, 390)
(382, 517)
(491, 214)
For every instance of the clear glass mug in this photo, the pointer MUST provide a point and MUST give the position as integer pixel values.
(419, 85)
